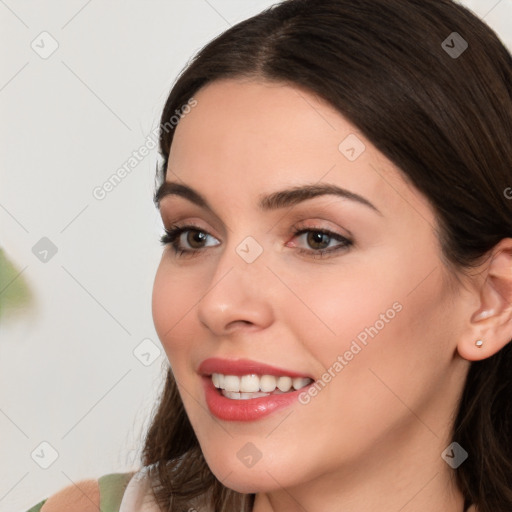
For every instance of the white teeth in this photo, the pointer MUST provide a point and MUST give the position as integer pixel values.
(254, 383)
(284, 384)
(232, 383)
(268, 383)
(300, 382)
(250, 383)
(242, 396)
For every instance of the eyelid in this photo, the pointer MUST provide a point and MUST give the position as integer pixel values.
(191, 222)
(173, 235)
(177, 216)
(316, 211)
(318, 223)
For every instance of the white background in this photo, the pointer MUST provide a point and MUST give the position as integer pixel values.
(68, 374)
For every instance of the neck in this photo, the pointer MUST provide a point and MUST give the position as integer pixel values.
(412, 478)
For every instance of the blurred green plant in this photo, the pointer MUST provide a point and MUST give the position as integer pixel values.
(14, 290)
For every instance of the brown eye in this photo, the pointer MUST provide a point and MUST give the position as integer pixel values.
(195, 237)
(318, 240)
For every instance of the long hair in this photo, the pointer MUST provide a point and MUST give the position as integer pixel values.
(439, 110)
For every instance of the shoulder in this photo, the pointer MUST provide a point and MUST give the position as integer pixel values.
(82, 496)
(91, 495)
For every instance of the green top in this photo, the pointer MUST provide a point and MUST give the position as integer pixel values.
(112, 487)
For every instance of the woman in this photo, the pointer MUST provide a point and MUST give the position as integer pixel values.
(335, 293)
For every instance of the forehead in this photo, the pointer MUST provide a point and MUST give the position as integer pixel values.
(246, 135)
(260, 120)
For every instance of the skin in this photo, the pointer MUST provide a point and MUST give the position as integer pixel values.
(372, 438)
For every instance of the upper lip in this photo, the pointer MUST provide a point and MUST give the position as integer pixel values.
(243, 367)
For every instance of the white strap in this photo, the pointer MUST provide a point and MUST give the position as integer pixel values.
(138, 496)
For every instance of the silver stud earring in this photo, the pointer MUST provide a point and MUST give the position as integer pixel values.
(479, 343)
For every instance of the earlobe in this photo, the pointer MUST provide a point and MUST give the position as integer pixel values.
(491, 323)
(477, 350)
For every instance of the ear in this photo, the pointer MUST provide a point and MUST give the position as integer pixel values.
(491, 322)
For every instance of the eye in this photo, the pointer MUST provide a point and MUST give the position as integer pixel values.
(174, 237)
(319, 239)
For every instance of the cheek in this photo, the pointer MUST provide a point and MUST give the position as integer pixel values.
(374, 322)
(171, 301)
(159, 304)
(391, 348)
(331, 309)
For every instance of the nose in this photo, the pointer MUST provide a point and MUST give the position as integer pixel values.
(238, 295)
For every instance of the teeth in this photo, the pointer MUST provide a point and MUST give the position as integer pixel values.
(268, 383)
(242, 396)
(300, 382)
(254, 383)
(250, 383)
(284, 384)
(231, 383)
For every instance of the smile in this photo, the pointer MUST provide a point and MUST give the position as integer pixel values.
(250, 386)
(246, 390)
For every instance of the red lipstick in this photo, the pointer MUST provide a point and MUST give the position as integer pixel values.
(250, 409)
(243, 367)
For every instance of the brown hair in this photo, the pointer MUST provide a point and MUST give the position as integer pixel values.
(444, 120)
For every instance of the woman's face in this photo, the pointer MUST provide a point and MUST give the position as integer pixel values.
(374, 321)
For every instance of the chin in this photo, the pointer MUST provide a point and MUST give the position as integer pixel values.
(250, 483)
(249, 480)
(246, 486)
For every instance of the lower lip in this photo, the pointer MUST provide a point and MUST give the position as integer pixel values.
(250, 409)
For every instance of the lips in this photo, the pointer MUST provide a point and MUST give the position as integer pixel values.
(245, 410)
(248, 409)
(244, 367)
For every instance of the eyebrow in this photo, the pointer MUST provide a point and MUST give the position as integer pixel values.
(273, 201)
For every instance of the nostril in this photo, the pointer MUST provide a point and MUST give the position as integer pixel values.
(238, 323)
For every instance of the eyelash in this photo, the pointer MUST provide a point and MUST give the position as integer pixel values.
(171, 237)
